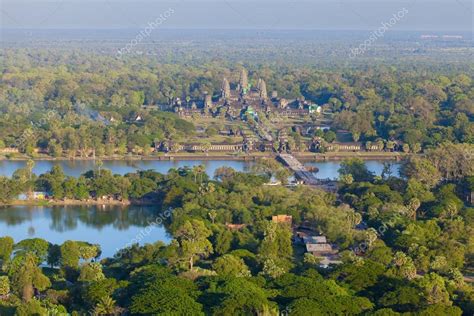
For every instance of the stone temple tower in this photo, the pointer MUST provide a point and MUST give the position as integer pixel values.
(244, 80)
(208, 101)
(225, 89)
(259, 84)
(262, 89)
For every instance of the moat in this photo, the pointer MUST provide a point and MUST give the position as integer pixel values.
(327, 169)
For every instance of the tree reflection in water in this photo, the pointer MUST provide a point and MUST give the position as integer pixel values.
(65, 218)
(112, 227)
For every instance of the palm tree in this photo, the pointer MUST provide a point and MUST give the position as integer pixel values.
(202, 170)
(368, 145)
(450, 210)
(198, 170)
(30, 164)
(371, 236)
(99, 163)
(406, 148)
(356, 136)
(106, 306)
(413, 206)
(206, 147)
(387, 170)
(390, 145)
(195, 170)
(212, 215)
(175, 147)
(355, 218)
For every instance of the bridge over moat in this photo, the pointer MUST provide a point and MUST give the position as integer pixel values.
(299, 169)
(308, 178)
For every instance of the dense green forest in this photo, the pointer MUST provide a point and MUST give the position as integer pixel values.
(70, 102)
(414, 255)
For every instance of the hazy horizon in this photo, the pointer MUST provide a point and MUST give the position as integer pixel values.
(421, 15)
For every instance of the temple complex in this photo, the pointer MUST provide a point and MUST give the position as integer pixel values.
(243, 100)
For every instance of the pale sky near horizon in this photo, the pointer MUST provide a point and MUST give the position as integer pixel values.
(438, 15)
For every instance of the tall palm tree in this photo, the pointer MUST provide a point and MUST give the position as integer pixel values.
(201, 171)
(198, 171)
(30, 164)
(195, 170)
(99, 163)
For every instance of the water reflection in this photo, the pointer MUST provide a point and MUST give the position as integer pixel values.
(77, 167)
(110, 226)
(327, 169)
(64, 218)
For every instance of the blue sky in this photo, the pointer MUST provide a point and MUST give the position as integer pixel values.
(439, 15)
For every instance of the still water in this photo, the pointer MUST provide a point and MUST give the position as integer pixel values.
(327, 169)
(112, 227)
(78, 167)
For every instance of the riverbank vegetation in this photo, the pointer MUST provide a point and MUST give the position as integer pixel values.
(405, 244)
(100, 186)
